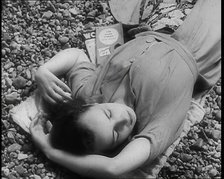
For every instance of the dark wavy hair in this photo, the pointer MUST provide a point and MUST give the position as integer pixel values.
(67, 132)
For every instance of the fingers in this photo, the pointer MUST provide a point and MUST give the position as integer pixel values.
(63, 94)
(63, 86)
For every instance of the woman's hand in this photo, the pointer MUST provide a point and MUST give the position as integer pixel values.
(39, 130)
(52, 89)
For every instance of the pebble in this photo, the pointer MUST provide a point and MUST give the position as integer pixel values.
(66, 13)
(13, 155)
(6, 124)
(12, 98)
(216, 134)
(217, 155)
(218, 148)
(8, 82)
(11, 176)
(35, 176)
(197, 145)
(19, 82)
(3, 52)
(213, 172)
(218, 90)
(20, 169)
(47, 15)
(13, 45)
(22, 156)
(63, 39)
(62, 6)
(11, 165)
(41, 165)
(6, 171)
(10, 135)
(8, 65)
(198, 170)
(14, 147)
(185, 157)
(28, 74)
(218, 115)
(19, 68)
(74, 11)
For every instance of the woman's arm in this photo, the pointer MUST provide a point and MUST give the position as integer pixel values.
(131, 157)
(63, 61)
(51, 87)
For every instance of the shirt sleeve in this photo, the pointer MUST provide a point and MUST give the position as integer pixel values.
(81, 79)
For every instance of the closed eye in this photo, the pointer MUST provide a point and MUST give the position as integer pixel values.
(116, 136)
(107, 113)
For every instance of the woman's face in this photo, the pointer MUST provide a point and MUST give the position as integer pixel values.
(111, 123)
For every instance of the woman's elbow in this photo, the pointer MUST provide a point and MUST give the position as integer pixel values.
(113, 171)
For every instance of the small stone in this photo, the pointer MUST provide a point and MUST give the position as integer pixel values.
(198, 170)
(218, 148)
(186, 157)
(217, 155)
(36, 177)
(10, 135)
(74, 11)
(19, 82)
(11, 165)
(20, 169)
(3, 52)
(40, 165)
(6, 124)
(197, 145)
(19, 68)
(218, 90)
(63, 39)
(28, 74)
(64, 23)
(66, 13)
(5, 171)
(216, 134)
(13, 155)
(8, 65)
(62, 6)
(22, 156)
(218, 115)
(175, 154)
(14, 147)
(213, 172)
(92, 14)
(47, 14)
(31, 2)
(12, 98)
(14, 45)
(173, 168)
(217, 126)
(8, 82)
(11, 176)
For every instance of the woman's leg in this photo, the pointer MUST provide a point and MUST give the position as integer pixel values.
(201, 34)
